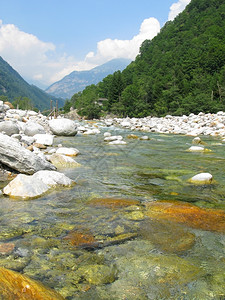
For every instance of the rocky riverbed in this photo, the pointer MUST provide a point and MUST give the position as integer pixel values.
(118, 208)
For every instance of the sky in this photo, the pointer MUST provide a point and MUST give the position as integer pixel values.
(46, 40)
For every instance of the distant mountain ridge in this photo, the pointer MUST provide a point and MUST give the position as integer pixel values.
(13, 85)
(78, 80)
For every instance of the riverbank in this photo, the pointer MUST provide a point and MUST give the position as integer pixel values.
(193, 125)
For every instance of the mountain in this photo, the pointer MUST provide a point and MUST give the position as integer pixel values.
(13, 85)
(78, 80)
(180, 71)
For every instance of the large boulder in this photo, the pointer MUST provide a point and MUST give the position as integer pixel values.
(26, 186)
(13, 155)
(9, 127)
(33, 128)
(63, 127)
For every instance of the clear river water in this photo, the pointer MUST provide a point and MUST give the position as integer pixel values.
(100, 240)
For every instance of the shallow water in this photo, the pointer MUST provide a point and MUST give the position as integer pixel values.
(133, 257)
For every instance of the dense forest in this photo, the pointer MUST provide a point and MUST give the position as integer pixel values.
(180, 71)
(15, 89)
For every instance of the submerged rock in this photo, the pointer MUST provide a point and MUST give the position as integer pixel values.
(13, 155)
(187, 214)
(14, 286)
(113, 202)
(98, 274)
(167, 236)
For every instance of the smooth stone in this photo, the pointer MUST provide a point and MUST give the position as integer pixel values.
(25, 187)
(92, 131)
(32, 128)
(63, 127)
(201, 178)
(117, 142)
(144, 138)
(13, 155)
(63, 161)
(197, 149)
(14, 285)
(53, 178)
(113, 138)
(107, 134)
(33, 186)
(45, 139)
(196, 140)
(67, 151)
(9, 127)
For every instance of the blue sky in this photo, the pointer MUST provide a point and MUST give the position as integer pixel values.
(45, 40)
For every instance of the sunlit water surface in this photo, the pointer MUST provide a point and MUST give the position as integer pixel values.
(137, 267)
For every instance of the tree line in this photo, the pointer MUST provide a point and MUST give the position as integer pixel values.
(180, 71)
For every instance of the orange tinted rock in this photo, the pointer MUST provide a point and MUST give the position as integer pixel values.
(80, 238)
(6, 248)
(113, 202)
(9, 104)
(188, 214)
(14, 286)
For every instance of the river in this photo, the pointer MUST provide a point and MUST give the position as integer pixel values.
(97, 240)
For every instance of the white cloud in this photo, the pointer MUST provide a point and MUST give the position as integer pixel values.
(31, 57)
(177, 8)
(38, 60)
(109, 49)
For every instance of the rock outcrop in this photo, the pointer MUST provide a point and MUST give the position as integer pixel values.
(13, 155)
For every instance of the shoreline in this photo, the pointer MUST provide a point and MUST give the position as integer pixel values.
(192, 125)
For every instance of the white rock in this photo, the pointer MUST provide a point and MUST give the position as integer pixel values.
(117, 142)
(27, 139)
(18, 158)
(53, 178)
(44, 139)
(196, 140)
(196, 148)
(144, 137)
(201, 178)
(125, 124)
(26, 186)
(107, 134)
(92, 131)
(32, 128)
(113, 138)
(63, 127)
(9, 127)
(68, 151)
(63, 161)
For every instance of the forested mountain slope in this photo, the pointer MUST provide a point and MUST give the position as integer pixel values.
(182, 70)
(12, 85)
